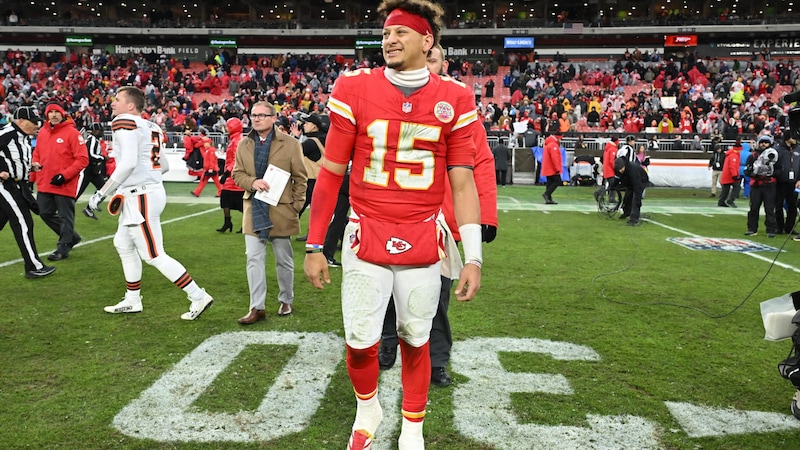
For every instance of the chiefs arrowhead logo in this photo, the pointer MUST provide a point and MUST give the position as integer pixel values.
(395, 246)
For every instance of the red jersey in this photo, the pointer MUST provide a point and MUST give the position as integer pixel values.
(686, 125)
(399, 144)
(485, 181)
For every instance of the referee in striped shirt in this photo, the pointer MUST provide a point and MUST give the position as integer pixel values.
(16, 198)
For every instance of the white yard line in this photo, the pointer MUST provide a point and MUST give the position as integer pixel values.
(111, 236)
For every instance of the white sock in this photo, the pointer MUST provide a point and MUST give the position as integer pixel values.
(411, 436)
(369, 414)
(194, 292)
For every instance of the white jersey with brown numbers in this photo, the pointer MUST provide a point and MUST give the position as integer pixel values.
(137, 147)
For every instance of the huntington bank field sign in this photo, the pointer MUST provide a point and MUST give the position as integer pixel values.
(482, 408)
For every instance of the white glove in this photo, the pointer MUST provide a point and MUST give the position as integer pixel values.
(95, 200)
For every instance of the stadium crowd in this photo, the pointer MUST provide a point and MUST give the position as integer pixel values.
(86, 85)
(643, 91)
(637, 92)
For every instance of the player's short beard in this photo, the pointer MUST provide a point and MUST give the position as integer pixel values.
(394, 65)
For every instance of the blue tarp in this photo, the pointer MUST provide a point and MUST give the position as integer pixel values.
(538, 153)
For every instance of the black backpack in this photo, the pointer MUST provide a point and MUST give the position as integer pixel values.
(195, 161)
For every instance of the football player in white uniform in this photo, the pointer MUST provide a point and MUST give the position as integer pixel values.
(139, 200)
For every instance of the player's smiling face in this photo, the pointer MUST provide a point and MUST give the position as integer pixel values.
(404, 48)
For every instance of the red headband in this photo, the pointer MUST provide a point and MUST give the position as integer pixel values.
(404, 18)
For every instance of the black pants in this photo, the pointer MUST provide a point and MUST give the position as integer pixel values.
(501, 177)
(726, 192)
(94, 174)
(632, 203)
(339, 221)
(762, 194)
(58, 213)
(553, 181)
(14, 210)
(784, 193)
(309, 192)
(441, 339)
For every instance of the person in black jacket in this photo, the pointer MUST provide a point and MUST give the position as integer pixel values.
(788, 158)
(715, 164)
(314, 131)
(634, 178)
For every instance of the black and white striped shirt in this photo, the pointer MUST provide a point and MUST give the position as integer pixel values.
(93, 145)
(15, 152)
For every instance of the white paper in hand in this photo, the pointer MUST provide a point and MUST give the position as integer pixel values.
(276, 178)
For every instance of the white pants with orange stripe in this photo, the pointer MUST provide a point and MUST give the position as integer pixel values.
(366, 289)
(143, 241)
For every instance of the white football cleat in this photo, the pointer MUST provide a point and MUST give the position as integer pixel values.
(198, 306)
(127, 305)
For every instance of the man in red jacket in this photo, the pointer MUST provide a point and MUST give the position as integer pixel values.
(730, 176)
(609, 155)
(60, 156)
(551, 165)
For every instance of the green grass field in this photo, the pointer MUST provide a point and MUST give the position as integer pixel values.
(586, 334)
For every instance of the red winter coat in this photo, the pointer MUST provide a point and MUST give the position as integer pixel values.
(210, 163)
(551, 158)
(234, 126)
(60, 149)
(730, 169)
(190, 143)
(609, 155)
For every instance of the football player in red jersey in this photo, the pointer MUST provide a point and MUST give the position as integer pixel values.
(441, 338)
(404, 130)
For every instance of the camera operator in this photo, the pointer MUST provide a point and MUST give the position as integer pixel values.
(763, 168)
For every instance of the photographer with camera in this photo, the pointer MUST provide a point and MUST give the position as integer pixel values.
(764, 169)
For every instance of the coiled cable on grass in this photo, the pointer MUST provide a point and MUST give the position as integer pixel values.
(678, 305)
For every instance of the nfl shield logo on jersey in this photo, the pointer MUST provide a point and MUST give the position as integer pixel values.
(407, 107)
(395, 246)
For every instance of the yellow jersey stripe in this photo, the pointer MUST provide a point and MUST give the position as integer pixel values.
(342, 109)
(466, 119)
